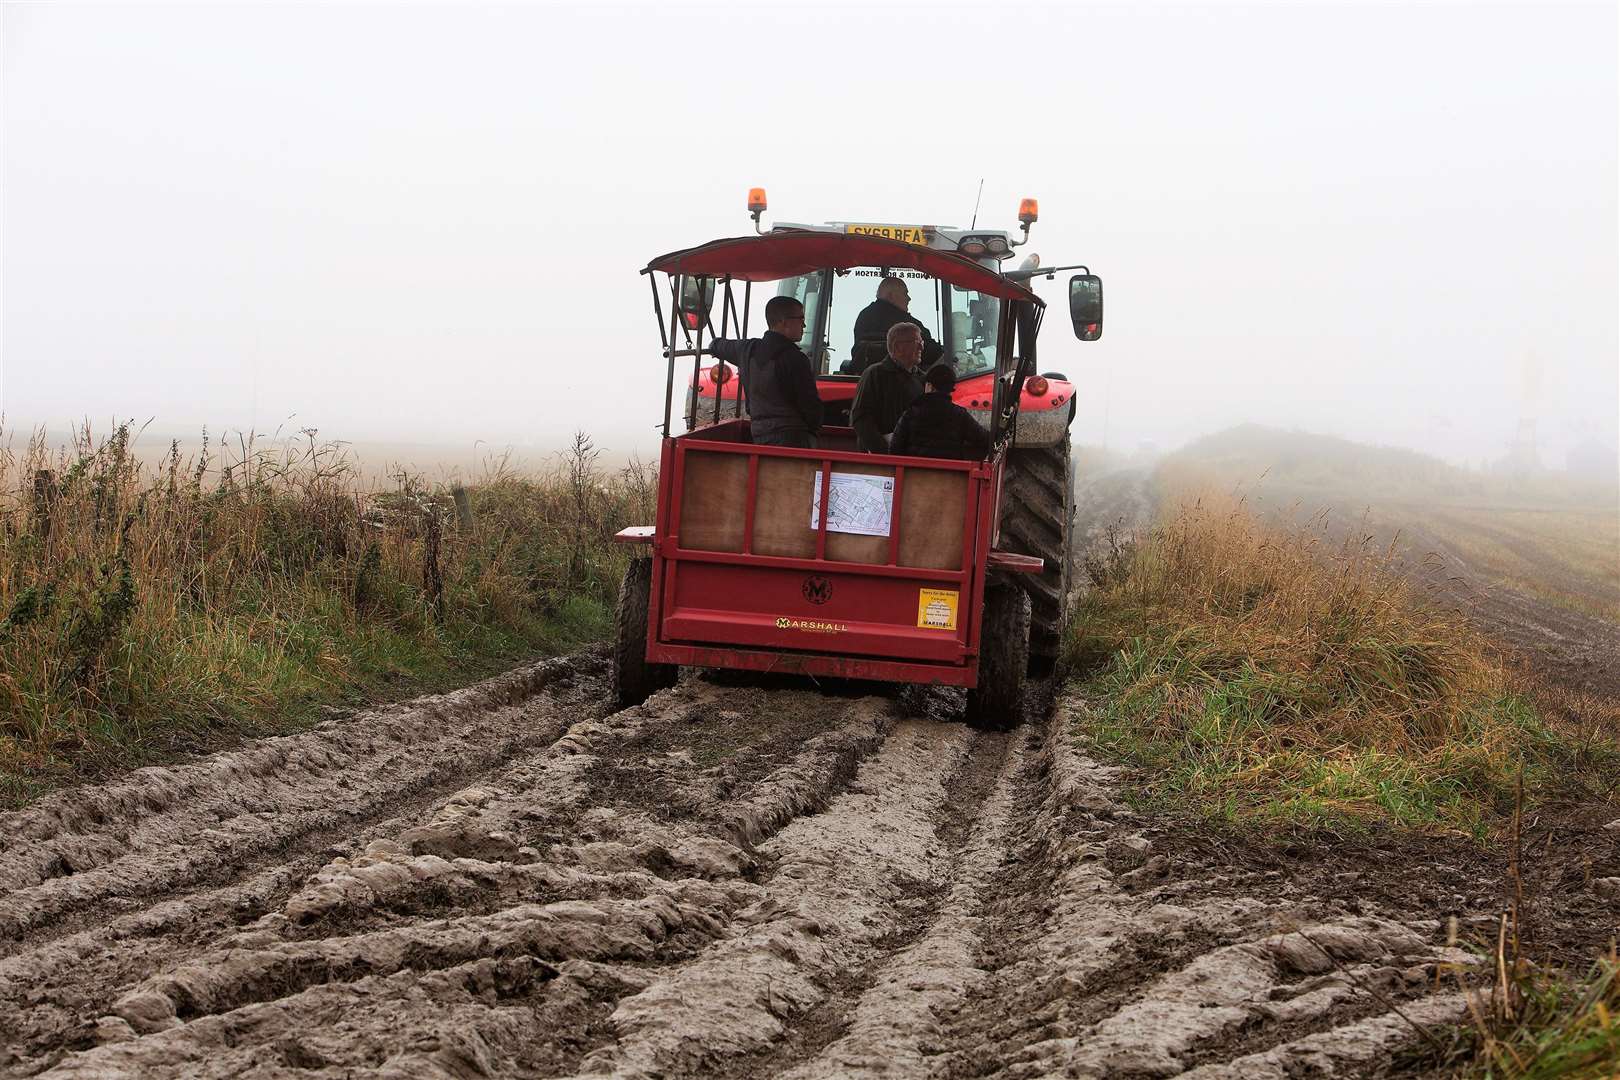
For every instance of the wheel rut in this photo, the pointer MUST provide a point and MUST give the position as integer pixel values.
(577, 890)
(734, 879)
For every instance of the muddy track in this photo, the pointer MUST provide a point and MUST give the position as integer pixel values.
(735, 879)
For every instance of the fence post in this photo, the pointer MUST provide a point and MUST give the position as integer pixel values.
(432, 579)
(45, 495)
(464, 514)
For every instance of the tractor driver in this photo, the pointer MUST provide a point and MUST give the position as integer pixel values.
(892, 306)
(886, 389)
(777, 379)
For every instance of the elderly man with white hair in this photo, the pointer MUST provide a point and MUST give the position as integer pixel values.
(888, 388)
(892, 307)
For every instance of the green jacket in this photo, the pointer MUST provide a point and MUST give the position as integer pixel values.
(886, 390)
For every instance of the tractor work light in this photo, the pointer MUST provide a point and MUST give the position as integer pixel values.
(983, 245)
(1029, 211)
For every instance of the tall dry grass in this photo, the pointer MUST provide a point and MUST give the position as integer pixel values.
(146, 609)
(1271, 673)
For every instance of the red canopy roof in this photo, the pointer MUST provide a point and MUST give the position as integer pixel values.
(783, 254)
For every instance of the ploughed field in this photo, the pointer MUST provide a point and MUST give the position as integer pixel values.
(737, 878)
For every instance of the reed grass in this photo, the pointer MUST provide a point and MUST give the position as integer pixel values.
(1537, 1024)
(1267, 674)
(237, 590)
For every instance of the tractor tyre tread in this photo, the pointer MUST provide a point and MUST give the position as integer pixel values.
(997, 702)
(634, 678)
(1037, 518)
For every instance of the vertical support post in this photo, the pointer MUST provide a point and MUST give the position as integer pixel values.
(821, 530)
(894, 515)
(748, 293)
(750, 500)
(674, 313)
(46, 494)
(697, 362)
(463, 501)
(658, 308)
(719, 365)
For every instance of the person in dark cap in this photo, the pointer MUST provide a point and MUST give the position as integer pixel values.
(935, 426)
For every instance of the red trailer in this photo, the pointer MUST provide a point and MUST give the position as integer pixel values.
(826, 561)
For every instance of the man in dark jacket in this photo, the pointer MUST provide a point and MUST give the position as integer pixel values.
(893, 305)
(935, 426)
(778, 381)
(887, 388)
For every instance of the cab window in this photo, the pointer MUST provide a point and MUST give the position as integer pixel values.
(974, 322)
(854, 289)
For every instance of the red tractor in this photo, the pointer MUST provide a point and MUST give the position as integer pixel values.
(1037, 513)
(837, 562)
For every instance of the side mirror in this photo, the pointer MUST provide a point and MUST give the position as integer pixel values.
(1086, 306)
(697, 297)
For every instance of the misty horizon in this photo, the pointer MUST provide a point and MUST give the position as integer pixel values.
(425, 226)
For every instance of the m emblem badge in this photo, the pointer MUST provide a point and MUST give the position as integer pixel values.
(817, 589)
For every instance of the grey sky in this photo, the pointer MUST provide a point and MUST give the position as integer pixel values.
(425, 223)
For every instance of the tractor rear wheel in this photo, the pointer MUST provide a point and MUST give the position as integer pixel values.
(997, 703)
(1037, 518)
(634, 679)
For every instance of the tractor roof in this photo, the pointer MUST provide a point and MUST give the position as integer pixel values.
(780, 254)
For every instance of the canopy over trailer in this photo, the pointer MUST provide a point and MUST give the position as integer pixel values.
(693, 273)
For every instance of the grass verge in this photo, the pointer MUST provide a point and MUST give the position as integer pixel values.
(1266, 676)
(148, 612)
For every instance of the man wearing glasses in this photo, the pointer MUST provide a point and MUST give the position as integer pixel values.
(887, 389)
(777, 379)
(893, 305)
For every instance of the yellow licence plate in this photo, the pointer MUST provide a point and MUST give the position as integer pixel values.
(910, 234)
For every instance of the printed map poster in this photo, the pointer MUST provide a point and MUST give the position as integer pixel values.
(856, 503)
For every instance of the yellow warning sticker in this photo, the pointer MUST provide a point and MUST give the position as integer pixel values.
(936, 609)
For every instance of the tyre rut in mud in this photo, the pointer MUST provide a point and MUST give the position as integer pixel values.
(1037, 518)
(725, 881)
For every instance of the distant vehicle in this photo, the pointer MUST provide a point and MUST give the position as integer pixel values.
(830, 561)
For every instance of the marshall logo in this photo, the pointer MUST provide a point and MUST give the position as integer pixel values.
(817, 589)
(812, 625)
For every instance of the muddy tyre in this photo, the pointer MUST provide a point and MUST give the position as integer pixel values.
(1037, 518)
(634, 679)
(997, 703)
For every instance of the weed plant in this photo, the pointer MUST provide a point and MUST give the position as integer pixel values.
(1264, 675)
(145, 611)
(1542, 1025)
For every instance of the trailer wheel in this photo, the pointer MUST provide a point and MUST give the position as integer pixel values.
(997, 703)
(1037, 518)
(634, 679)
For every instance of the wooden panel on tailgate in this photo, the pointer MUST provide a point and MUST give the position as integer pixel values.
(782, 510)
(714, 494)
(853, 547)
(933, 506)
